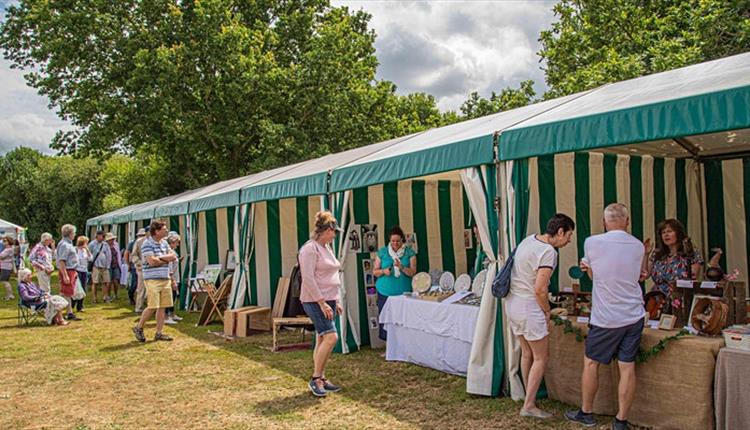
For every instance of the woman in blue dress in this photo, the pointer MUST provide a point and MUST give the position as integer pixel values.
(394, 267)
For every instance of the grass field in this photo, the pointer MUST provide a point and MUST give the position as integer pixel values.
(92, 374)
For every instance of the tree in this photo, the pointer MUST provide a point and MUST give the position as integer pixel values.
(509, 98)
(600, 41)
(213, 89)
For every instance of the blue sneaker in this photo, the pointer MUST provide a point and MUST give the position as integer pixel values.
(579, 417)
(316, 390)
(330, 387)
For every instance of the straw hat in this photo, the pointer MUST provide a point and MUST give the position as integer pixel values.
(109, 236)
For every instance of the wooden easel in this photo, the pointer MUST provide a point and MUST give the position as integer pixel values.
(216, 301)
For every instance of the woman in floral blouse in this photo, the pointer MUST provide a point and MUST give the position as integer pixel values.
(673, 258)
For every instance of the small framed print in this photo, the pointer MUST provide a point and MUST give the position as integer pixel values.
(468, 239)
(667, 322)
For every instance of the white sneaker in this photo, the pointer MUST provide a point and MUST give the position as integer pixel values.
(170, 321)
(176, 318)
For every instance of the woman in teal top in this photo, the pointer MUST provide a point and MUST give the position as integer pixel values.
(394, 266)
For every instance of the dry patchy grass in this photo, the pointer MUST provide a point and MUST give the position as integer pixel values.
(93, 375)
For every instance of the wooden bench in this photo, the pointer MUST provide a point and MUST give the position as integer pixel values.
(279, 321)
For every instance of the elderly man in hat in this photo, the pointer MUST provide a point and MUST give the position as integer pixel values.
(126, 258)
(136, 260)
(114, 265)
(102, 259)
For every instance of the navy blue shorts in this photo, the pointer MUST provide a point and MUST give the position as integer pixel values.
(604, 344)
(322, 324)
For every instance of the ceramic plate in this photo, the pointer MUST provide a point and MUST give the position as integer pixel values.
(421, 282)
(435, 275)
(446, 282)
(477, 287)
(463, 283)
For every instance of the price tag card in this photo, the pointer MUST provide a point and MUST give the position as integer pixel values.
(653, 324)
(684, 283)
(582, 320)
(707, 284)
(567, 289)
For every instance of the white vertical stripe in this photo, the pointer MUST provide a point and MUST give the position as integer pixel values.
(261, 274)
(433, 224)
(222, 234)
(288, 232)
(405, 208)
(313, 207)
(596, 191)
(647, 182)
(695, 198)
(670, 188)
(202, 257)
(376, 209)
(532, 225)
(457, 226)
(183, 243)
(734, 217)
(565, 202)
(622, 179)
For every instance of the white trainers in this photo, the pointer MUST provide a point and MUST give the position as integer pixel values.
(176, 318)
(170, 321)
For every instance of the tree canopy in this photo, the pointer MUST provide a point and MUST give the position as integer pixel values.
(595, 42)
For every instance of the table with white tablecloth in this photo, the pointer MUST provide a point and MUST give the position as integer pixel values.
(430, 334)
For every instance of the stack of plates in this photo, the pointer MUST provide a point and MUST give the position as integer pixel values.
(446, 282)
(477, 287)
(421, 282)
(463, 283)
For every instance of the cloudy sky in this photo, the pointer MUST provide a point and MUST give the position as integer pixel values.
(444, 48)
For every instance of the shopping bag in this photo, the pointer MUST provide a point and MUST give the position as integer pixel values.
(79, 292)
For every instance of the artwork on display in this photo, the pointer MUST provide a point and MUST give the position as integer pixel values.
(367, 274)
(355, 240)
(667, 322)
(411, 242)
(369, 279)
(369, 237)
(229, 261)
(373, 323)
(468, 239)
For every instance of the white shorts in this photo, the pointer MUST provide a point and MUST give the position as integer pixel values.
(526, 318)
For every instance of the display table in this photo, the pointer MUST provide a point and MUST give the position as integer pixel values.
(731, 389)
(674, 389)
(429, 334)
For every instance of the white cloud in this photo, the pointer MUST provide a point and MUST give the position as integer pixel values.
(450, 48)
(25, 118)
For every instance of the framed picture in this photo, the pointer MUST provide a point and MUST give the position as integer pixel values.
(411, 242)
(369, 237)
(369, 279)
(355, 239)
(230, 262)
(367, 266)
(468, 239)
(667, 322)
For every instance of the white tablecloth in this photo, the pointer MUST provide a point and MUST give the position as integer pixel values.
(429, 334)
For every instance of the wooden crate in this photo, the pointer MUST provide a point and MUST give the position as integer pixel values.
(255, 318)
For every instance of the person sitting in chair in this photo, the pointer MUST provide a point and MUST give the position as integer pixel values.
(37, 299)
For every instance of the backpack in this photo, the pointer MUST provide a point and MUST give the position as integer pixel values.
(294, 305)
(501, 283)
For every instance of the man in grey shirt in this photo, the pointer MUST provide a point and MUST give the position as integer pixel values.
(102, 260)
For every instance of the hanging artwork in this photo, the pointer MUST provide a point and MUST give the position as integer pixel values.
(355, 240)
(370, 237)
(468, 239)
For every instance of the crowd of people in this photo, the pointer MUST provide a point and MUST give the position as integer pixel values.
(87, 268)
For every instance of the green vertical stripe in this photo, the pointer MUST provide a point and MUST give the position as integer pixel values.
(681, 182)
(362, 216)
(212, 237)
(547, 204)
(446, 226)
(471, 254)
(390, 207)
(420, 225)
(746, 195)
(274, 245)
(715, 207)
(610, 179)
(660, 194)
(230, 227)
(583, 208)
(303, 219)
(636, 197)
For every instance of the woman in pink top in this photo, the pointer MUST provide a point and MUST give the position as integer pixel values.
(320, 295)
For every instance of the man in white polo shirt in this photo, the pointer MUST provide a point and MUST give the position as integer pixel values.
(613, 261)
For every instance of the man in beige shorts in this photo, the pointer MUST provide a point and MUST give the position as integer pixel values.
(102, 258)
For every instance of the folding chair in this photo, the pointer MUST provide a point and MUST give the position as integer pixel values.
(26, 315)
